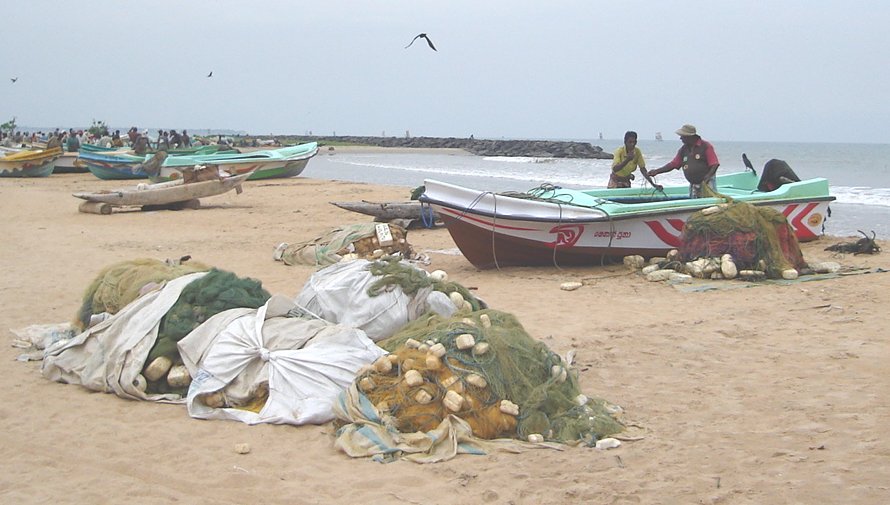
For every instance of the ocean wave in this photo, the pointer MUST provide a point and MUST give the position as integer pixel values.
(861, 195)
(519, 159)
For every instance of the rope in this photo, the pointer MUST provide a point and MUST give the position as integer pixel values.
(427, 215)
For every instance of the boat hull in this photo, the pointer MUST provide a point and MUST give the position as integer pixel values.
(164, 193)
(29, 163)
(113, 165)
(269, 164)
(387, 211)
(494, 231)
(69, 163)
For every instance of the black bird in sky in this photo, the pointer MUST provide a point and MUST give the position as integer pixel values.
(424, 37)
(13, 79)
(210, 74)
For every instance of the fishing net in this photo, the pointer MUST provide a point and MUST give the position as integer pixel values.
(484, 368)
(393, 272)
(756, 237)
(380, 297)
(121, 283)
(362, 239)
(203, 298)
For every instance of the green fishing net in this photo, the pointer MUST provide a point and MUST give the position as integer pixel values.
(121, 283)
(359, 239)
(203, 298)
(512, 365)
(757, 237)
(392, 272)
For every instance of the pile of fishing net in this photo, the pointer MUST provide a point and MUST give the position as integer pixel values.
(381, 296)
(203, 298)
(166, 302)
(758, 239)
(481, 367)
(364, 240)
(121, 283)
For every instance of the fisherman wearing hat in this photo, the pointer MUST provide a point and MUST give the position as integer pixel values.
(698, 160)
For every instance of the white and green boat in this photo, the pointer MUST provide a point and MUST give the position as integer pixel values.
(265, 164)
(560, 226)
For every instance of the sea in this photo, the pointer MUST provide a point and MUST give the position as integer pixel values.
(858, 174)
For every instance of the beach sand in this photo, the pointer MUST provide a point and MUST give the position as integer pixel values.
(770, 394)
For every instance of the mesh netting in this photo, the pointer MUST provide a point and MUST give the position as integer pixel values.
(469, 365)
(392, 272)
(201, 299)
(756, 237)
(359, 239)
(121, 283)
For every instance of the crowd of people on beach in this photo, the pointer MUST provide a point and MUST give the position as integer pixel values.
(71, 140)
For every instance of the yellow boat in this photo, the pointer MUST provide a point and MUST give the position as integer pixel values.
(29, 163)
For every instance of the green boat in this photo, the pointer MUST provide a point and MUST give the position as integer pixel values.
(265, 164)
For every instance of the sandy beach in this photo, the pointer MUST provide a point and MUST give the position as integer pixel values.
(770, 394)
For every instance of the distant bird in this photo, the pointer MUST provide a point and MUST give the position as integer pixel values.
(210, 74)
(13, 79)
(424, 37)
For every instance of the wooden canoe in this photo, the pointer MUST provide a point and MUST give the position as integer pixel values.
(385, 211)
(164, 193)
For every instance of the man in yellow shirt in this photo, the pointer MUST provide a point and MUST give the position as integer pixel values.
(626, 160)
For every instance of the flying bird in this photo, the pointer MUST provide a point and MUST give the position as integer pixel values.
(424, 37)
(13, 79)
(210, 74)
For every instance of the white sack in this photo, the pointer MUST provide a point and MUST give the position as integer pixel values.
(339, 293)
(108, 356)
(307, 363)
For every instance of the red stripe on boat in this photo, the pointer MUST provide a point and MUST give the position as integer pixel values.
(802, 230)
(662, 233)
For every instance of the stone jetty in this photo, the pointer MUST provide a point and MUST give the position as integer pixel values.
(479, 147)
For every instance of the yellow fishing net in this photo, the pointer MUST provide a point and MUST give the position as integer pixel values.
(121, 283)
(483, 367)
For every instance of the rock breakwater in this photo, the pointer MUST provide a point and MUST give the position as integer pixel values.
(479, 147)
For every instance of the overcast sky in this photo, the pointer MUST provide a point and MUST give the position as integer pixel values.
(804, 71)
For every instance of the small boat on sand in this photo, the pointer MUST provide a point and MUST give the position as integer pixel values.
(264, 164)
(160, 194)
(113, 165)
(559, 226)
(38, 163)
(69, 163)
(386, 211)
(122, 163)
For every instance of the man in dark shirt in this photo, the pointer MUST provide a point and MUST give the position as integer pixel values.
(698, 160)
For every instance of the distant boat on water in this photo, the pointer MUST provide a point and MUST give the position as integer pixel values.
(658, 136)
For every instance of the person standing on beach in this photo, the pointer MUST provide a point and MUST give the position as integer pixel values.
(698, 160)
(141, 144)
(132, 133)
(625, 162)
(72, 144)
